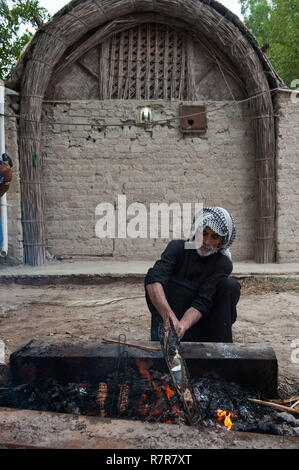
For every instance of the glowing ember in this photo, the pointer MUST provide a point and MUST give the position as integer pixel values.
(155, 412)
(151, 404)
(168, 392)
(143, 369)
(222, 416)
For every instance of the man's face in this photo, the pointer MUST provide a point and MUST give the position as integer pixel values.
(208, 242)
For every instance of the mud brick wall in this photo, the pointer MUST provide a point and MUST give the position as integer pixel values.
(85, 166)
(287, 108)
(15, 236)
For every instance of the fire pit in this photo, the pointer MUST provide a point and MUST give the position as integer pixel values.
(117, 381)
(252, 365)
(147, 398)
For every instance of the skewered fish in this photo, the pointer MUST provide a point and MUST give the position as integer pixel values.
(170, 346)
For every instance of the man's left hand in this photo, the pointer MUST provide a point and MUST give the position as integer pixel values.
(191, 316)
(181, 329)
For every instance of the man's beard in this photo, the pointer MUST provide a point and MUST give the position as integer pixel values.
(205, 250)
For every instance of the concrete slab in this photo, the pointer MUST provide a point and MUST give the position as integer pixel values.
(28, 429)
(133, 268)
(252, 365)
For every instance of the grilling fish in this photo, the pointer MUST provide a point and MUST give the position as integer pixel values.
(171, 349)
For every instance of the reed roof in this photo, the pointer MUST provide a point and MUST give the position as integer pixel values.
(77, 18)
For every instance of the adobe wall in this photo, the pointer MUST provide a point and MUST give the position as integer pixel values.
(85, 166)
(287, 176)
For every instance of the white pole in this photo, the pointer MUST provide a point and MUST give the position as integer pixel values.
(3, 200)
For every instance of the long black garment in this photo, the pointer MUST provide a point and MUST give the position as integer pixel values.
(190, 280)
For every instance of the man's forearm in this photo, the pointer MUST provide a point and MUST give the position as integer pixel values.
(157, 295)
(190, 317)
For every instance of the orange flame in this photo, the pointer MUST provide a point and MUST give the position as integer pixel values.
(155, 412)
(222, 416)
(143, 370)
(168, 392)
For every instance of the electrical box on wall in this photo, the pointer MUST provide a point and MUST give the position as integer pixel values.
(193, 119)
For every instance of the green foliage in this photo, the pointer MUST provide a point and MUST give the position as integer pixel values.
(276, 22)
(17, 26)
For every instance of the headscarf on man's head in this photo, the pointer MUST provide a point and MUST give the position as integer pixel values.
(220, 221)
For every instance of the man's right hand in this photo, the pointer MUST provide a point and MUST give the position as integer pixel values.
(158, 299)
(166, 323)
(175, 321)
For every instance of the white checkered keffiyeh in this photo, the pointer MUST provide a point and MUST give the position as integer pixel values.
(220, 221)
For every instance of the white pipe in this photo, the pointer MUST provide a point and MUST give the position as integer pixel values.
(3, 200)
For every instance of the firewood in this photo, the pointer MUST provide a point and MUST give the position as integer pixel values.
(286, 400)
(131, 344)
(276, 406)
(295, 405)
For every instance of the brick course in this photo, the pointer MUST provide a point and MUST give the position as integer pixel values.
(85, 166)
(155, 164)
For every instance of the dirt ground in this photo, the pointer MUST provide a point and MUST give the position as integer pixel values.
(268, 312)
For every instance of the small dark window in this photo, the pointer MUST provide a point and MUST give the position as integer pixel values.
(193, 119)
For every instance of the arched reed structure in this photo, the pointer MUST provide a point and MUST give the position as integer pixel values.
(83, 24)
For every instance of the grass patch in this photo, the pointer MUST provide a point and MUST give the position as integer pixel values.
(263, 285)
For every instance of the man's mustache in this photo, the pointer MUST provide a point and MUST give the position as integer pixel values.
(208, 247)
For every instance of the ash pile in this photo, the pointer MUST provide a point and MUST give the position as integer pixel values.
(130, 397)
(214, 395)
(154, 404)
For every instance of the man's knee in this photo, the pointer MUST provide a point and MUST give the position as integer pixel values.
(230, 287)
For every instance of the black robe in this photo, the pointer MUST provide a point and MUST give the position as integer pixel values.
(190, 280)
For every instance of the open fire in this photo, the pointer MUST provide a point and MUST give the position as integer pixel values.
(152, 398)
(158, 403)
(162, 391)
(225, 418)
(140, 392)
(155, 399)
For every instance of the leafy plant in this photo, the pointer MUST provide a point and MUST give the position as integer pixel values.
(18, 21)
(276, 23)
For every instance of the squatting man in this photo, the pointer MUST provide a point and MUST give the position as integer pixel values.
(191, 284)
